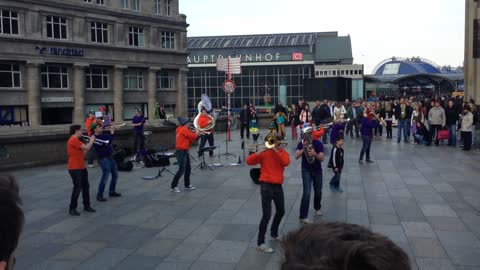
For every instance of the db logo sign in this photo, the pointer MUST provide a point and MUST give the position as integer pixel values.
(297, 56)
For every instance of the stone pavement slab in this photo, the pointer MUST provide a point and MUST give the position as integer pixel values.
(413, 194)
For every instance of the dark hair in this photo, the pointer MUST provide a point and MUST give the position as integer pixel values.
(335, 245)
(74, 128)
(339, 138)
(11, 215)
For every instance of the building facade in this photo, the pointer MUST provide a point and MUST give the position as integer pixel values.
(274, 67)
(472, 50)
(61, 58)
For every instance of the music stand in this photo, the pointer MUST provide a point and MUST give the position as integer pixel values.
(226, 148)
(203, 164)
(164, 160)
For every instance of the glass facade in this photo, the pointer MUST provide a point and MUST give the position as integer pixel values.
(260, 85)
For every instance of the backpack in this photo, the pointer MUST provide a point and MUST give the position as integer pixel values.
(125, 166)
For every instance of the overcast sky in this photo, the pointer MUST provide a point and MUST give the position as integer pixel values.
(379, 29)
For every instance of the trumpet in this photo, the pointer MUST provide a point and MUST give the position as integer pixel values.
(116, 126)
(96, 140)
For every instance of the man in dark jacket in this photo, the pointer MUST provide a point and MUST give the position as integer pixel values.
(245, 116)
(316, 113)
(452, 116)
(324, 116)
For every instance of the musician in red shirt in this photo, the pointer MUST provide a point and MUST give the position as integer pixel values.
(184, 138)
(203, 121)
(76, 168)
(272, 164)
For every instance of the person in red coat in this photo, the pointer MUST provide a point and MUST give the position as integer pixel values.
(183, 140)
(272, 164)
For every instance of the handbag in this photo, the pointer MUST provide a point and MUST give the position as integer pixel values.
(443, 134)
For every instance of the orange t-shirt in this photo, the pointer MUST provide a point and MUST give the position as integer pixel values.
(88, 122)
(271, 163)
(184, 138)
(203, 121)
(317, 134)
(75, 154)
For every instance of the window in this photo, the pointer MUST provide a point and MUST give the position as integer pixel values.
(356, 72)
(99, 2)
(56, 27)
(99, 32)
(168, 40)
(334, 73)
(97, 78)
(133, 79)
(136, 37)
(342, 72)
(317, 73)
(136, 5)
(8, 22)
(10, 75)
(54, 76)
(158, 6)
(360, 72)
(166, 80)
(129, 110)
(168, 7)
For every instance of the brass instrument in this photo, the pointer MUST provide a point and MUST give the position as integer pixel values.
(205, 102)
(307, 146)
(270, 142)
(116, 126)
(96, 140)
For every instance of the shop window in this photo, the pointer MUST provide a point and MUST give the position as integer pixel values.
(57, 116)
(8, 22)
(106, 108)
(133, 79)
(56, 27)
(166, 79)
(10, 75)
(13, 115)
(136, 36)
(97, 78)
(129, 110)
(54, 76)
(168, 40)
(99, 32)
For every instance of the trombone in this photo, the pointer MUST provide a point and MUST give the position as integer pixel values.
(270, 142)
(116, 126)
(96, 140)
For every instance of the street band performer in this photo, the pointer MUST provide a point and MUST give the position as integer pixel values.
(205, 120)
(183, 139)
(272, 164)
(76, 168)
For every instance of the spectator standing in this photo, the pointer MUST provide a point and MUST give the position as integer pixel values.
(294, 121)
(452, 117)
(316, 113)
(388, 119)
(401, 114)
(467, 127)
(306, 115)
(245, 116)
(437, 120)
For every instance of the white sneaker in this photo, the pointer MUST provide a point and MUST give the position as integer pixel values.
(175, 189)
(319, 213)
(306, 221)
(264, 248)
(91, 165)
(190, 187)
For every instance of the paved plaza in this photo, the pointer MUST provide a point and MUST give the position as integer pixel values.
(423, 198)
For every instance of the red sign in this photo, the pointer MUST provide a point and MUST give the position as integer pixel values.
(297, 56)
(229, 86)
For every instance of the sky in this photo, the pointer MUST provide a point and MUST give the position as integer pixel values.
(379, 29)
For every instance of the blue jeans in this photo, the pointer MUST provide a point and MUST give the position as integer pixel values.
(367, 142)
(108, 166)
(452, 129)
(402, 124)
(419, 138)
(308, 178)
(184, 167)
(335, 181)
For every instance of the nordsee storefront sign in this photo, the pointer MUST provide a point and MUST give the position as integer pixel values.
(252, 57)
(79, 52)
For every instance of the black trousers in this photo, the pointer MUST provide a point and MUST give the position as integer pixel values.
(350, 125)
(138, 142)
(203, 141)
(467, 140)
(184, 167)
(80, 184)
(244, 126)
(389, 129)
(269, 193)
(379, 131)
(434, 132)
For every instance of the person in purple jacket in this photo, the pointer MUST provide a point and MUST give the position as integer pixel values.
(367, 125)
(138, 137)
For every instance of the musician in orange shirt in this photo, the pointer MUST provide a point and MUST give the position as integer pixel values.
(205, 120)
(184, 138)
(273, 161)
